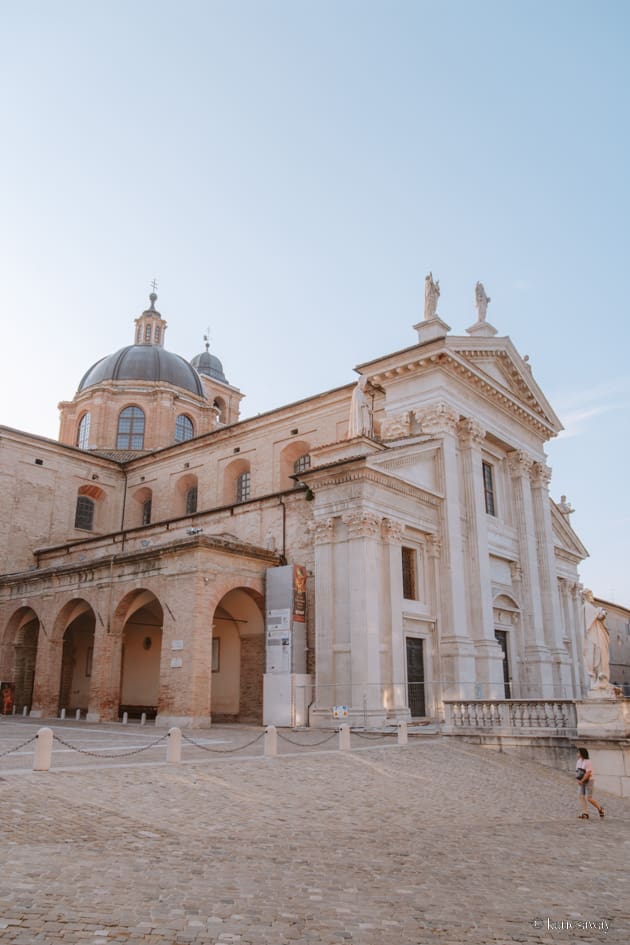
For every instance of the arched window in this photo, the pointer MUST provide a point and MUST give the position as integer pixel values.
(243, 487)
(130, 429)
(183, 428)
(191, 500)
(302, 463)
(157, 334)
(84, 515)
(147, 333)
(83, 433)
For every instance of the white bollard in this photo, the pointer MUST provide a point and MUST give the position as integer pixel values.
(402, 733)
(344, 737)
(43, 750)
(25, 711)
(143, 718)
(77, 715)
(271, 740)
(125, 718)
(62, 714)
(14, 710)
(174, 746)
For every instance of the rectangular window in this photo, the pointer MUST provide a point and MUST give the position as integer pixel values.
(409, 574)
(488, 489)
(243, 487)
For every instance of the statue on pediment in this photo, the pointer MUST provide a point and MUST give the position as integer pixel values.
(431, 296)
(596, 643)
(360, 423)
(481, 302)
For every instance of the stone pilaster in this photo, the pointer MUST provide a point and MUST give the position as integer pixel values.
(393, 535)
(540, 479)
(322, 532)
(489, 659)
(538, 682)
(456, 647)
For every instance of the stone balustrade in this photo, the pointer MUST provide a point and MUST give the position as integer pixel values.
(514, 716)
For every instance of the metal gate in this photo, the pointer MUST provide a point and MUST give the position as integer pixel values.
(415, 677)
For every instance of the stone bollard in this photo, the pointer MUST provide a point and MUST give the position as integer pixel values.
(25, 711)
(43, 750)
(271, 740)
(125, 718)
(174, 746)
(77, 715)
(402, 733)
(62, 714)
(344, 737)
(143, 718)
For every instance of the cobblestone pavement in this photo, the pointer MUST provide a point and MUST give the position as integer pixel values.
(439, 842)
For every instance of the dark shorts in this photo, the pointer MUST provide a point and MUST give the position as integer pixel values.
(586, 789)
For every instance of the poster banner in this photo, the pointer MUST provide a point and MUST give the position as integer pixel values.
(299, 593)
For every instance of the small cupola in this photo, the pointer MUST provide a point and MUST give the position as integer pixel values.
(150, 326)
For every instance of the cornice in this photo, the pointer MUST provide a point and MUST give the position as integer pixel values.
(341, 476)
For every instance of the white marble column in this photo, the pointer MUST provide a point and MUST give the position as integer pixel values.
(322, 531)
(538, 682)
(397, 696)
(364, 615)
(540, 479)
(488, 654)
(457, 654)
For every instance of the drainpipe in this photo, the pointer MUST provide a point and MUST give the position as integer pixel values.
(284, 530)
(122, 515)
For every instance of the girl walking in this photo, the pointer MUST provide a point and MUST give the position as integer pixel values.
(586, 783)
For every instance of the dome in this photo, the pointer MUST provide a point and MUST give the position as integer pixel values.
(209, 364)
(145, 363)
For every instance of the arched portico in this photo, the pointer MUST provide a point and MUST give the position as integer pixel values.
(238, 656)
(140, 652)
(19, 655)
(76, 655)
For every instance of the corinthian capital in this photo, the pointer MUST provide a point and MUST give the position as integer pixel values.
(362, 524)
(322, 530)
(541, 474)
(392, 530)
(434, 546)
(470, 432)
(437, 419)
(519, 463)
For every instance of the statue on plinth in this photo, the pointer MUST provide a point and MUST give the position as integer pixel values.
(431, 296)
(596, 643)
(481, 302)
(360, 423)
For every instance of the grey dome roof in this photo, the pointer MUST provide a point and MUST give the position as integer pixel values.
(209, 365)
(144, 363)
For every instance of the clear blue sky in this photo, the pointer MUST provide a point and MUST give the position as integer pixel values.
(290, 171)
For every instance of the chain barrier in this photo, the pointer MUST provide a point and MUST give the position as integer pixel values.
(109, 754)
(373, 736)
(321, 741)
(18, 747)
(221, 751)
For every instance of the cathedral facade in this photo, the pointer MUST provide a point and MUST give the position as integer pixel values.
(141, 553)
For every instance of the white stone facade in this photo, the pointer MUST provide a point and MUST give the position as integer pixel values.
(438, 565)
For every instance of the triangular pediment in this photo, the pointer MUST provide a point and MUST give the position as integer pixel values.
(496, 361)
(565, 539)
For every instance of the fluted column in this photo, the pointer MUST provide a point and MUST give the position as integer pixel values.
(540, 479)
(322, 532)
(539, 677)
(489, 658)
(364, 613)
(456, 647)
(397, 696)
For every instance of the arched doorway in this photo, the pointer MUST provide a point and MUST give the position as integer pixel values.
(141, 653)
(77, 652)
(506, 623)
(238, 657)
(21, 636)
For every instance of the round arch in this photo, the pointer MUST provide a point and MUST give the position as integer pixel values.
(19, 655)
(138, 621)
(74, 627)
(290, 455)
(238, 656)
